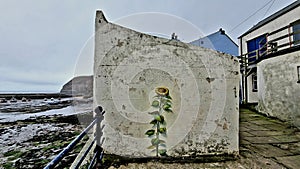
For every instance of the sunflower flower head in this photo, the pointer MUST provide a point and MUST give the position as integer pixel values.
(162, 91)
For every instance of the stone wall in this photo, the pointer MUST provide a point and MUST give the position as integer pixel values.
(203, 83)
(278, 90)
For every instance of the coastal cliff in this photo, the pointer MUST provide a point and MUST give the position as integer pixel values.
(79, 86)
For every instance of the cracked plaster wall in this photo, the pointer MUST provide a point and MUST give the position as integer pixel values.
(278, 90)
(203, 83)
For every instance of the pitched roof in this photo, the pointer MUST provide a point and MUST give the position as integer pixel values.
(272, 17)
(219, 41)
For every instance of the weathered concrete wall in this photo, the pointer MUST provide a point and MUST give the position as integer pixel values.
(278, 90)
(203, 83)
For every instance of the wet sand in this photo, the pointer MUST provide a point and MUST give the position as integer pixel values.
(30, 139)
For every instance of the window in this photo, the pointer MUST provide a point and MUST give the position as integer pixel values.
(254, 82)
(258, 43)
(296, 32)
(298, 72)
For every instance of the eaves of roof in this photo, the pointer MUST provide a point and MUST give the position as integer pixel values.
(272, 17)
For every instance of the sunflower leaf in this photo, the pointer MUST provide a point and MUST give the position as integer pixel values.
(163, 130)
(162, 152)
(161, 141)
(169, 110)
(169, 97)
(167, 106)
(154, 113)
(157, 118)
(151, 147)
(153, 122)
(155, 141)
(150, 132)
(155, 103)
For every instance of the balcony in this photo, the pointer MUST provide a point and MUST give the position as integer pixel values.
(278, 42)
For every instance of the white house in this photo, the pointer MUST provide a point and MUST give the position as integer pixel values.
(270, 59)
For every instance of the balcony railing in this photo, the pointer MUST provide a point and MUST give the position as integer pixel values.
(278, 40)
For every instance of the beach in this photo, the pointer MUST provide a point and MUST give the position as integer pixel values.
(32, 133)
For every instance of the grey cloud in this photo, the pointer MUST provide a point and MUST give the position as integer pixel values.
(41, 41)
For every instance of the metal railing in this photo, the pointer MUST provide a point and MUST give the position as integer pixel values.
(98, 151)
(275, 41)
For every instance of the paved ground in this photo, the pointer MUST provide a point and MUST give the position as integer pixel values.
(265, 143)
(271, 139)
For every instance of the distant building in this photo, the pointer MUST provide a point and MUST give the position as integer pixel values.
(218, 41)
(270, 56)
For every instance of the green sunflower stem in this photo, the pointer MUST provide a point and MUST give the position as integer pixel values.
(162, 102)
(158, 123)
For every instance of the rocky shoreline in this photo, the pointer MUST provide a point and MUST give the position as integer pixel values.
(33, 142)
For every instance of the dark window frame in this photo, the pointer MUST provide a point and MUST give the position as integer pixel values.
(254, 82)
(255, 44)
(296, 27)
(298, 74)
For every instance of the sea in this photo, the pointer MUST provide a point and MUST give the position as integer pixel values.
(7, 115)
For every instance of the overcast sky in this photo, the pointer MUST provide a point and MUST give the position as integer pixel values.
(44, 43)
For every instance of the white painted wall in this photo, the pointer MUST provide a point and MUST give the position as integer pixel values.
(203, 83)
(278, 90)
(276, 24)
